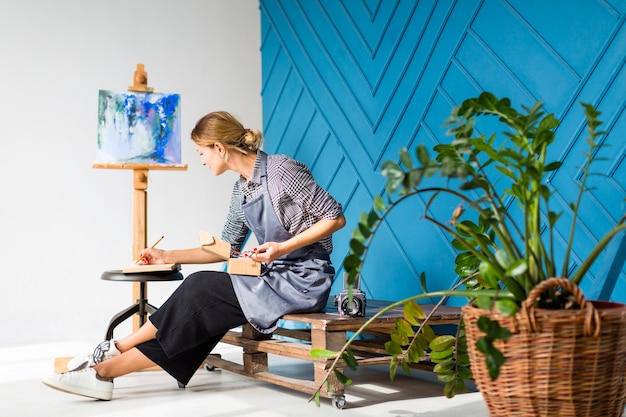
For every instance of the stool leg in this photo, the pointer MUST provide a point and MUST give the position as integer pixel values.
(142, 301)
(142, 308)
(120, 317)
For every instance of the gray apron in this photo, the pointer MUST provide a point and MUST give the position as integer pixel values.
(298, 282)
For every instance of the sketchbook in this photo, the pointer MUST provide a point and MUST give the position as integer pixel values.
(138, 269)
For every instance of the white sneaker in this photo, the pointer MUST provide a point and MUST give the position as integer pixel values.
(104, 351)
(83, 381)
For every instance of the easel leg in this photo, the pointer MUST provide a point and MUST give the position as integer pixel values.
(140, 230)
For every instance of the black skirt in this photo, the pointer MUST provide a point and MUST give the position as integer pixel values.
(191, 322)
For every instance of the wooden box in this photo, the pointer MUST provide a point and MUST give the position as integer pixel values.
(221, 248)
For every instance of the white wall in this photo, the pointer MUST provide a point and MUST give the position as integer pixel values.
(63, 222)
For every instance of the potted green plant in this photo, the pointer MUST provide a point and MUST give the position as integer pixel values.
(528, 337)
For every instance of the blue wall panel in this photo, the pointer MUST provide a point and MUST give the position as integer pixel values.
(346, 83)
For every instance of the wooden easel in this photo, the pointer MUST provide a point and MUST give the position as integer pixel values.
(140, 199)
(140, 185)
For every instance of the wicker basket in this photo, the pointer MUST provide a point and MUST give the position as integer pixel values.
(558, 362)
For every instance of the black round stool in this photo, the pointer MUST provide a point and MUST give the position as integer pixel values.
(142, 307)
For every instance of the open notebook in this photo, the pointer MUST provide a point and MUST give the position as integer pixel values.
(138, 269)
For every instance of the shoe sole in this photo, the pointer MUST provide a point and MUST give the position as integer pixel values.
(99, 395)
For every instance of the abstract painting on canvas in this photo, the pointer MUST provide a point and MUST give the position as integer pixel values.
(137, 127)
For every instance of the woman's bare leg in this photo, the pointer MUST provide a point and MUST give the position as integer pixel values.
(129, 361)
(143, 334)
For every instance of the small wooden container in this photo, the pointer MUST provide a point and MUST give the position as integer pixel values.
(221, 248)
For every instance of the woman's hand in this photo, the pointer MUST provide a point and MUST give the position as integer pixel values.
(268, 252)
(151, 256)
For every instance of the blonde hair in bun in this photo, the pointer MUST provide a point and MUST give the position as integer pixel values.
(221, 126)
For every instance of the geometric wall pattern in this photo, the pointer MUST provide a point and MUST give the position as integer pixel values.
(347, 83)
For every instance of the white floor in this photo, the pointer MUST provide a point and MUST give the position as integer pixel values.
(217, 393)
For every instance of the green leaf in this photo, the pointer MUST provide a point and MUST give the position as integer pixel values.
(405, 367)
(465, 373)
(356, 232)
(472, 184)
(398, 337)
(422, 154)
(393, 348)
(507, 172)
(548, 123)
(518, 268)
(494, 361)
(441, 343)
(463, 360)
(349, 359)
(428, 332)
(421, 343)
(487, 100)
(488, 275)
(351, 262)
(443, 367)
(343, 379)
(460, 384)
(545, 192)
(467, 268)
(404, 327)
(405, 158)
(351, 276)
(456, 244)
(379, 204)
(493, 329)
(441, 355)
(322, 354)
(467, 256)
(415, 178)
(448, 377)
(357, 247)
(413, 312)
(507, 307)
(431, 170)
(467, 228)
(414, 353)
(394, 175)
(393, 366)
(503, 333)
(364, 229)
(484, 323)
(372, 219)
(423, 282)
(449, 389)
(503, 258)
(484, 302)
(483, 345)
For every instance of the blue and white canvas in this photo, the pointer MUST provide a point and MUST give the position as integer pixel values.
(138, 127)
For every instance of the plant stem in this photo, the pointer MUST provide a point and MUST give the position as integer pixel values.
(445, 293)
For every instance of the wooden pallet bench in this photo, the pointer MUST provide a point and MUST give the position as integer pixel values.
(327, 330)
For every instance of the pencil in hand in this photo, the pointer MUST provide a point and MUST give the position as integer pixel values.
(151, 247)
